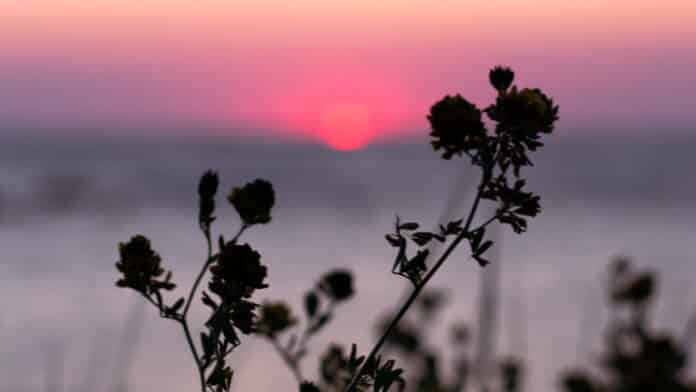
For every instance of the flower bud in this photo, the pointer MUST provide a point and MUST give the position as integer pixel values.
(501, 77)
(207, 187)
(338, 285)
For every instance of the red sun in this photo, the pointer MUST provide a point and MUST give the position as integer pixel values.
(346, 126)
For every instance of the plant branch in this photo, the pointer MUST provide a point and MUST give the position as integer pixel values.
(194, 352)
(207, 263)
(292, 364)
(418, 288)
(208, 260)
(183, 319)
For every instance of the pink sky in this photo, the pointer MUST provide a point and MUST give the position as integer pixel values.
(318, 69)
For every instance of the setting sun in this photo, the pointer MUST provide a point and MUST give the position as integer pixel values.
(346, 126)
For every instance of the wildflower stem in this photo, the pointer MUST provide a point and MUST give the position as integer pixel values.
(183, 320)
(206, 265)
(292, 364)
(418, 288)
(189, 340)
(208, 260)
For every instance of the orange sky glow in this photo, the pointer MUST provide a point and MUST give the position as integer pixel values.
(316, 69)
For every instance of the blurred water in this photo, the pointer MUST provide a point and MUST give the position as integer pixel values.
(66, 202)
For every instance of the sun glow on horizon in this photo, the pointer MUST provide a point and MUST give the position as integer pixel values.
(341, 73)
(346, 126)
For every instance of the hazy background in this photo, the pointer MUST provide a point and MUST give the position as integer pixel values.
(110, 111)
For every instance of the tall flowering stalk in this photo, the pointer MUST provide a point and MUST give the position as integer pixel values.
(236, 273)
(521, 117)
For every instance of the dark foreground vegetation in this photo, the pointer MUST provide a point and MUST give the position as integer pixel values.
(636, 358)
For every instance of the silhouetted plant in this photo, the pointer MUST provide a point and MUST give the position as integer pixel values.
(637, 358)
(521, 117)
(236, 273)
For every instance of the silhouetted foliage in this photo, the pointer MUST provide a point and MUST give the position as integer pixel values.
(636, 357)
(237, 272)
(429, 365)
(521, 117)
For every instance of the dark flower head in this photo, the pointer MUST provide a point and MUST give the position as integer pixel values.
(456, 126)
(253, 201)
(337, 285)
(242, 316)
(237, 272)
(275, 317)
(501, 77)
(637, 289)
(524, 113)
(308, 387)
(141, 266)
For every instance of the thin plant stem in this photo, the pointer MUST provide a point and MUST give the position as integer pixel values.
(194, 352)
(302, 342)
(200, 275)
(209, 260)
(183, 320)
(418, 288)
(289, 361)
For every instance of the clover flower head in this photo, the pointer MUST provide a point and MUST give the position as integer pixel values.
(253, 201)
(275, 317)
(237, 272)
(141, 267)
(456, 126)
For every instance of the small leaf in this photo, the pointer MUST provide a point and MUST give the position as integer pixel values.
(476, 237)
(311, 304)
(209, 301)
(394, 240)
(483, 248)
(482, 262)
(409, 226)
(171, 310)
(208, 345)
(228, 331)
(422, 237)
(454, 227)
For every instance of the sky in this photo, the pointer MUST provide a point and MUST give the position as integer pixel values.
(344, 73)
